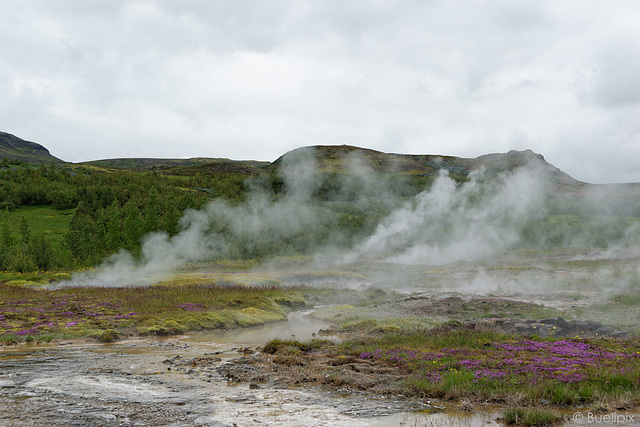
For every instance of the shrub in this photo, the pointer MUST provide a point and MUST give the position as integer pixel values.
(529, 417)
(276, 345)
(109, 336)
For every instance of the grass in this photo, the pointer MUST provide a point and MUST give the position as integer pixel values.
(34, 278)
(530, 416)
(375, 318)
(42, 219)
(156, 310)
(457, 364)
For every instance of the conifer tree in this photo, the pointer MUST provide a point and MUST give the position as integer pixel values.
(131, 225)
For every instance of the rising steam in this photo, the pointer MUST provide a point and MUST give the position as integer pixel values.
(449, 222)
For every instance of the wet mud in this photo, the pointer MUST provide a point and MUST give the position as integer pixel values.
(177, 382)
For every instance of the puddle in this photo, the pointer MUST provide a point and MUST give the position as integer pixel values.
(300, 326)
(439, 419)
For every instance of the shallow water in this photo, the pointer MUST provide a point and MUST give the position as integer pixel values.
(128, 383)
(299, 326)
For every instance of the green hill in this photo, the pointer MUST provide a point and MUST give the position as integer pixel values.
(14, 148)
(346, 159)
(74, 215)
(199, 164)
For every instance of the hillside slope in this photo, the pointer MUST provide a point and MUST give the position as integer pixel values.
(14, 148)
(198, 164)
(346, 158)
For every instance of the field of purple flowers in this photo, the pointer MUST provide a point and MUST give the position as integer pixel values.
(30, 314)
(42, 314)
(488, 366)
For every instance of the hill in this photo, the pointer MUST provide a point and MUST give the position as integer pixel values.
(14, 148)
(74, 215)
(333, 159)
(183, 166)
(346, 158)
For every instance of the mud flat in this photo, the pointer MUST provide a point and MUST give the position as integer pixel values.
(185, 381)
(178, 382)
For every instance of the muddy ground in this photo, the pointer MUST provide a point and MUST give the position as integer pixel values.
(167, 383)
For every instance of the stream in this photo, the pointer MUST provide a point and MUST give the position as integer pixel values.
(128, 384)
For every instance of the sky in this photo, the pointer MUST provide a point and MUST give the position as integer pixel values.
(254, 79)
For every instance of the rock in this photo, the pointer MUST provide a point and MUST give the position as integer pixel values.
(564, 324)
(522, 328)
(618, 334)
(586, 325)
(604, 330)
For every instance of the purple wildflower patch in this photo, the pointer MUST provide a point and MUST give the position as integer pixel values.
(190, 306)
(44, 314)
(567, 361)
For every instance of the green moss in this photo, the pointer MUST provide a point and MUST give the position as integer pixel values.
(292, 301)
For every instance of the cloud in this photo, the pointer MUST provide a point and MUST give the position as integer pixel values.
(616, 74)
(248, 79)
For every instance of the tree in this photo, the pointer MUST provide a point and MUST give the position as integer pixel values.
(80, 239)
(171, 219)
(151, 220)
(41, 252)
(6, 238)
(113, 239)
(131, 226)
(25, 232)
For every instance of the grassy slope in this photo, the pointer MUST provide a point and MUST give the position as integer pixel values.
(42, 219)
(14, 148)
(147, 163)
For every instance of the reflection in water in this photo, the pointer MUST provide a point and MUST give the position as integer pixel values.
(299, 325)
(437, 419)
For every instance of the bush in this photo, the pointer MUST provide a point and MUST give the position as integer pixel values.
(529, 417)
(63, 199)
(22, 262)
(277, 345)
(109, 336)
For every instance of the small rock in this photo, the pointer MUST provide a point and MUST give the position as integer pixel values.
(564, 324)
(619, 334)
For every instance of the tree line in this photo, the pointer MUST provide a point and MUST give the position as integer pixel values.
(111, 210)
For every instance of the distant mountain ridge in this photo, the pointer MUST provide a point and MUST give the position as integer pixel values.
(329, 158)
(14, 148)
(342, 158)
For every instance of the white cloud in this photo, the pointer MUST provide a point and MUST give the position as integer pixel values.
(248, 79)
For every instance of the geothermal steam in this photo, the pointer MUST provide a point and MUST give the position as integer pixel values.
(450, 222)
(453, 223)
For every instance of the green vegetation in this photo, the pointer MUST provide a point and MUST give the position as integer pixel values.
(455, 364)
(530, 417)
(14, 150)
(56, 216)
(60, 217)
(108, 313)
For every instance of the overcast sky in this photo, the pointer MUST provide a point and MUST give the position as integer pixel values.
(253, 79)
